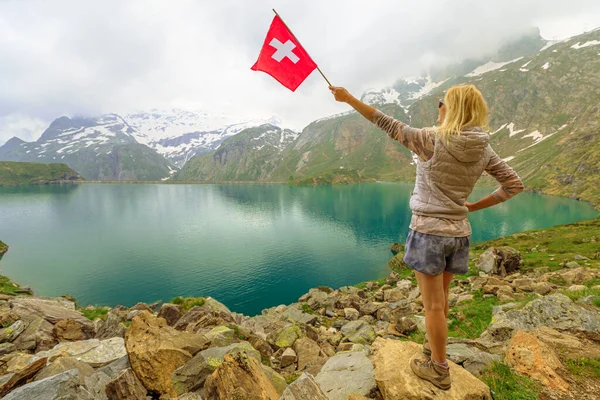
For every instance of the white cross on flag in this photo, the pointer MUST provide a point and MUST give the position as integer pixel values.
(283, 57)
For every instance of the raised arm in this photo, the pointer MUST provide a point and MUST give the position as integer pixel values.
(510, 184)
(419, 141)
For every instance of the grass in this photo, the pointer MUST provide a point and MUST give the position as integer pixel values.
(477, 316)
(586, 367)
(28, 173)
(237, 332)
(93, 313)
(188, 302)
(508, 385)
(580, 294)
(593, 282)
(291, 378)
(7, 286)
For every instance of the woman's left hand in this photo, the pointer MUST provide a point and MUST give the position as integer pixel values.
(470, 206)
(341, 94)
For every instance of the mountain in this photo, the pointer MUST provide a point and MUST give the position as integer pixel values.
(103, 148)
(545, 120)
(250, 155)
(21, 173)
(406, 91)
(182, 134)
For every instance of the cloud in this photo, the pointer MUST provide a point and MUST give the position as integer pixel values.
(68, 57)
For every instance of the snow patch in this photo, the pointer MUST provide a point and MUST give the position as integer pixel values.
(490, 66)
(512, 131)
(429, 86)
(546, 66)
(507, 159)
(549, 44)
(536, 135)
(589, 43)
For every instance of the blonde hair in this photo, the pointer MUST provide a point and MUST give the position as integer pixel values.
(465, 107)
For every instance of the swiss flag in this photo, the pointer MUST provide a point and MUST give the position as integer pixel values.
(283, 57)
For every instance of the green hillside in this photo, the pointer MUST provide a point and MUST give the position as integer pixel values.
(28, 173)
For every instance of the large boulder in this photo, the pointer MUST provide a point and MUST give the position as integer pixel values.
(347, 373)
(63, 386)
(192, 375)
(10, 333)
(64, 364)
(556, 311)
(304, 388)
(38, 335)
(295, 315)
(52, 310)
(21, 374)
(396, 381)
(530, 356)
(156, 350)
(500, 261)
(69, 330)
(96, 353)
(285, 337)
(126, 386)
(310, 356)
(359, 332)
(239, 377)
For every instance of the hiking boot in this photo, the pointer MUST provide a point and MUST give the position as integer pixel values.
(430, 371)
(426, 347)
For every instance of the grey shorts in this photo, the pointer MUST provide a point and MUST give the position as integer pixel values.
(432, 254)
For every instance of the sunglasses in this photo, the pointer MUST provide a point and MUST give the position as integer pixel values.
(441, 104)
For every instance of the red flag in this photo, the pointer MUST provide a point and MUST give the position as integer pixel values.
(283, 57)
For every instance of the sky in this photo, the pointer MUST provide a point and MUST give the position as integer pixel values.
(72, 57)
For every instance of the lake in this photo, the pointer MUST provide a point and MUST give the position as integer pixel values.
(249, 246)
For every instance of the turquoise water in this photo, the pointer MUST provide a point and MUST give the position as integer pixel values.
(249, 246)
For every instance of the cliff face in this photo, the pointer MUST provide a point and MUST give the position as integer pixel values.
(532, 319)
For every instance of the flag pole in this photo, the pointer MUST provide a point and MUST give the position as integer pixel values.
(288, 28)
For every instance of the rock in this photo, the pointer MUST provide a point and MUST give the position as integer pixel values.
(68, 330)
(351, 314)
(396, 381)
(126, 386)
(221, 336)
(170, 312)
(577, 288)
(190, 396)
(505, 307)
(392, 295)
(278, 381)
(579, 257)
(192, 375)
(116, 367)
(587, 300)
(459, 352)
(7, 348)
(528, 355)
(12, 332)
(346, 373)
(505, 293)
(52, 310)
(288, 357)
(304, 388)
(463, 298)
(404, 285)
(111, 327)
(359, 332)
(318, 299)
(555, 311)
(64, 364)
(156, 350)
(309, 355)
(285, 337)
(542, 288)
(63, 386)
(22, 375)
(500, 261)
(239, 377)
(370, 308)
(397, 248)
(96, 353)
(572, 265)
(478, 362)
(577, 276)
(38, 335)
(384, 314)
(96, 385)
(406, 325)
(295, 315)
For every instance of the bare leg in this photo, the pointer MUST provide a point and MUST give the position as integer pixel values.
(447, 280)
(435, 302)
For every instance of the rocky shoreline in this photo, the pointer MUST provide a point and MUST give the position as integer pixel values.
(539, 324)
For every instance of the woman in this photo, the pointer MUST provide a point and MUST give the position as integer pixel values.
(452, 157)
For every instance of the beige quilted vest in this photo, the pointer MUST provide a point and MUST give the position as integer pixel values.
(446, 180)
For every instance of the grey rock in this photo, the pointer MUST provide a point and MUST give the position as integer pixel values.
(351, 314)
(555, 311)
(295, 315)
(7, 348)
(499, 261)
(276, 380)
(193, 374)
(288, 357)
(116, 367)
(359, 332)
(126, 386)
(97, 353)
(96, 385)
(12, 332)
(370, 308)
(587, 300)
(477, 363)
(572, 265)
(579, 257)
(504, 307)
(304, 388)
(64, 386)
(347, 373)
(221, 336)
(459, 352)
(110, 328)
(63, 364)
(404, 285)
